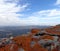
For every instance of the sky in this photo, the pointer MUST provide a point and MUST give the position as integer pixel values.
(29, 12)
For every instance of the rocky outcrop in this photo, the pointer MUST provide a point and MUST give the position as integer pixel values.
(34, 41)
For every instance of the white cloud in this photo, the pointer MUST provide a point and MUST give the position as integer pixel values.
(8, 12)
(50, 13)
(44, 17)
(9, 16)
(57, 2)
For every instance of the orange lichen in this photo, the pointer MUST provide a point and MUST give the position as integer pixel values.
(35, 31)
(48, 37)
(24, 41)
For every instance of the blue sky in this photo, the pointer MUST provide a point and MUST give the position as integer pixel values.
(29, 12)
(39, 5)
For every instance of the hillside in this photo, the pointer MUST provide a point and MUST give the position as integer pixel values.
(54, 29)
(36, 40)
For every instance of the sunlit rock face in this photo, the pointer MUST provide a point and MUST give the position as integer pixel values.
(56, 42)
(34, 31)
(21, 49)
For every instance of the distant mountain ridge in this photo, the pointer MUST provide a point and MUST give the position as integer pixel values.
(18, 30)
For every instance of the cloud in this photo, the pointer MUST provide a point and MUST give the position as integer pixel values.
(57, 2)
(14, 1)
(50, 13)
(44, 17)
(8, 12)
(9, 15)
